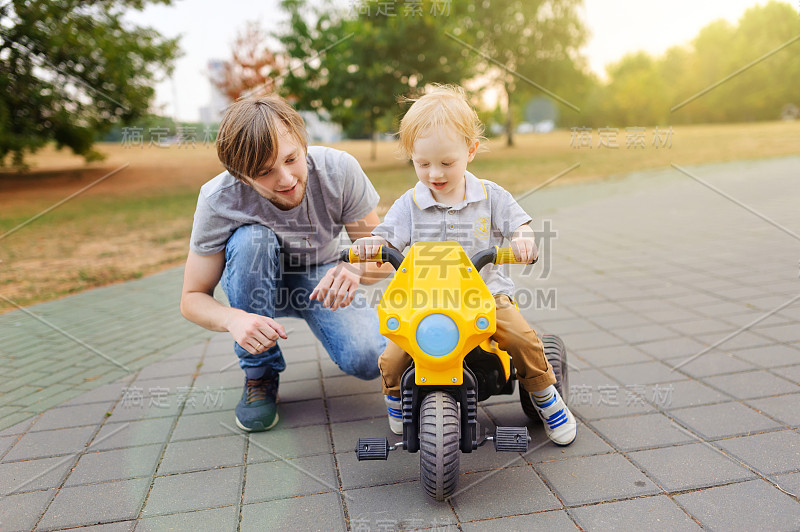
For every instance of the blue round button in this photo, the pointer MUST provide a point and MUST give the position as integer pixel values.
(392, 324)
(482, 323)
(437, 334)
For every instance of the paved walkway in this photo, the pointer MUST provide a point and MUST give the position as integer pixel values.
(680, 309)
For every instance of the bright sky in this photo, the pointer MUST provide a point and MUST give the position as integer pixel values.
(208, 29)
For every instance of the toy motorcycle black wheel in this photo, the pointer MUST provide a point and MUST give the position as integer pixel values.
(439, 436)
(556, 354)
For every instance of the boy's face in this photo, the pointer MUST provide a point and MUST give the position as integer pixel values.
(284, 184)
(440, 160)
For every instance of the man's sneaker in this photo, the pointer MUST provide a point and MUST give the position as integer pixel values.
(395, 413)
(258, 411)
(559, 423)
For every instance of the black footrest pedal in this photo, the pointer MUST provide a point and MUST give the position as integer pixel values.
(511, 439)
(372, 449)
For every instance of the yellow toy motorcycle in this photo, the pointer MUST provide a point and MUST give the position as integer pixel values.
(438, 310)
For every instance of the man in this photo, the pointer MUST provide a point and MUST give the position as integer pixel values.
(267, 228)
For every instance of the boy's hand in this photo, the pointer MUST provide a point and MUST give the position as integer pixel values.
(368, 246)
(525, 249)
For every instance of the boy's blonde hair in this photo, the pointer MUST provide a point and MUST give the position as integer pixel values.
(248, 134)
(445, 105)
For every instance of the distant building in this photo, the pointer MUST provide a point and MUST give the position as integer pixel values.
(212, 113)
(320, 128)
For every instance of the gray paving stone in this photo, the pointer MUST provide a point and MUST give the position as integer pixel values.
(226, 518)
(5, 443)
(702, 325)
(645, 333)
(410, 507)
(226, 379)
(202, 454)
(529, 493)
(50, 443)
(299, 476)
(784, 408)
(347, 385)
(612, 356)
(693, 466)
(792, 373)
(108, 393)
(723, 420)
(118, 464)
(285, 443)
(149, 408)
(538, 522)
(591, 479)
(97, 503)
(752, 505)
(132, 433)
(301, 414)
(649, 513)
(646, 373)
(752, 384)
(782, 333)
(298, 391)
(32, 475)
(771, 454)
(307, 370)
(769, 356)
(313, 512)
(580, 341)
(692, 393)
(194, 491)
(789, 483)
(22, 511)
(541, 449)
(194, 426)
(119, 526)
(71, 416)
(711, 363)
(401, 466)
(353, 407)
(641, 432)
(672, 348)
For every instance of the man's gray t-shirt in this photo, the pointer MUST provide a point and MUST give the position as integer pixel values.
(337, 192)
(487, 215)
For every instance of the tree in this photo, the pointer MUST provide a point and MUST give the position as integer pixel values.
(536, 40)
(69, 70)
(252, 67)
(356, 65)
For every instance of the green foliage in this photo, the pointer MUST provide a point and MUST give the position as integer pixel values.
(380, 56)
(70, 70)
(643, 90)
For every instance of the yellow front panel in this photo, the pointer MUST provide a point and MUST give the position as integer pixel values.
(437, 278)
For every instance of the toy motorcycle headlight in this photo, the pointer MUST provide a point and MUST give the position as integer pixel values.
(437, 334)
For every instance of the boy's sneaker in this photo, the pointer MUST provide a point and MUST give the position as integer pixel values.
(395, 411)
(258, 410)
(559, 423)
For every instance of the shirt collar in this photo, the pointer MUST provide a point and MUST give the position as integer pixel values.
(476, 191)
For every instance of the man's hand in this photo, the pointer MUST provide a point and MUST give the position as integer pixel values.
(368, 246)
(255, 333)
(337, 288)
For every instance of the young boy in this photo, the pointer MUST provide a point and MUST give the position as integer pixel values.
(440, 133)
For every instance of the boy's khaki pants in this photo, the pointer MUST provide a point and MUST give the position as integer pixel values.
(513, 335)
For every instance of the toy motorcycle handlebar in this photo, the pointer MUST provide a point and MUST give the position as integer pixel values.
(385, 254)
(496, 255)
(493, 255)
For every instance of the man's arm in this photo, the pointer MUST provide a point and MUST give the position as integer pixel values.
(198, 305)
(337, 288)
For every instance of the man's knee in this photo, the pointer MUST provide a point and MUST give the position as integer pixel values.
(362, 359)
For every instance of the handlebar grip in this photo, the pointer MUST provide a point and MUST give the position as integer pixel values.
(506, 256)
(349, 255)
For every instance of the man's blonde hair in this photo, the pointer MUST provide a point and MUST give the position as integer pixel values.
(445, 105)
(248, 134)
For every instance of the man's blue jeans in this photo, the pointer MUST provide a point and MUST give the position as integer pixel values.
(257, 281)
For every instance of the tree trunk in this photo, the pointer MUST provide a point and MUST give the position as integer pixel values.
(509, 118)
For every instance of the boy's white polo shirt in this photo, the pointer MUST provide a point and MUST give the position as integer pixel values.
(487, 215)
